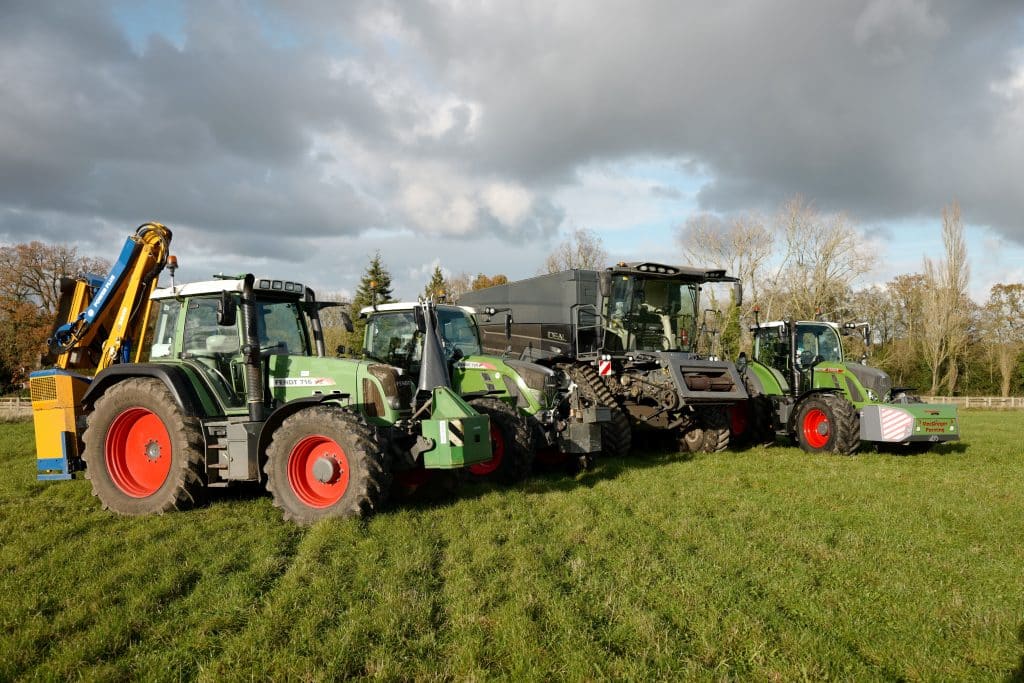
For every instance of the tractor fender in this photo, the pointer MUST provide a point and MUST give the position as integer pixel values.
(173, 377)
(288, 409)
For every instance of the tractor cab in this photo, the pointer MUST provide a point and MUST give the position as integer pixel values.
(394, 334)
(793, 350)
(198, 323)
(654, 307)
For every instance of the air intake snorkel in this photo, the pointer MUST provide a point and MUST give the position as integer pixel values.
(251, 351)
(434, 367)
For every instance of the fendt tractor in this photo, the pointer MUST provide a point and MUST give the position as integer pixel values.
(802, 387)
(533, 409)
(230, 383)
(628, 336)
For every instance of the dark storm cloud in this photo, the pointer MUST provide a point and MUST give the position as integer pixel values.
(883, 108)
(215, 134)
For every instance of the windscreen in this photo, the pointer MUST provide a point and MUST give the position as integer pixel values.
(652, 314)
(393, 338)
(817, 343)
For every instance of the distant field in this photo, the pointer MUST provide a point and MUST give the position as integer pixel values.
(763, 564)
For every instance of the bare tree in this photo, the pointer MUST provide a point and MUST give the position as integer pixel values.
(803, 263)
(457, 285)
(1003, 325)
(741, 246)
(946, 311)
(33, 271)
(822, 256)
(582, 249)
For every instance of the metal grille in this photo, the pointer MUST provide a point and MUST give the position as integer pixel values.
(43, 388)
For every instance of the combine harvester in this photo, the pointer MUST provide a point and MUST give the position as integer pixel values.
(628, 336)
(227, 381)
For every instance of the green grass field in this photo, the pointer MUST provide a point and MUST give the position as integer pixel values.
(762, 564)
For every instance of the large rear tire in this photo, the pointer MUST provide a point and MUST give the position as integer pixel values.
(323, 462)
(827, 423)
(616, 434)
(512, 444)
(143, 455)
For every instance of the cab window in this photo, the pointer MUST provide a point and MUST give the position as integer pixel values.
(280, 327)
(164, 328)
(202, 333)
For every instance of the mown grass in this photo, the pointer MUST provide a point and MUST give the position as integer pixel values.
(762, 564)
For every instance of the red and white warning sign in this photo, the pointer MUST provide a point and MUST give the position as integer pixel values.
(604, 367)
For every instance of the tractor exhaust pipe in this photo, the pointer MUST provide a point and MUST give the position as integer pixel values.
(251, 350)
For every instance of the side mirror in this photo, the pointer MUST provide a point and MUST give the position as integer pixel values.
(346, 321)
(604, 283)
(226, 310)
(421, 321)
(737, 293)
(508, 327)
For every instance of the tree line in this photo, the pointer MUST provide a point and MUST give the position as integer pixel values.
(798, 263)
(927, 333)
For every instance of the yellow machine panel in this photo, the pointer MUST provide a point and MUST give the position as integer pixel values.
(56, 396)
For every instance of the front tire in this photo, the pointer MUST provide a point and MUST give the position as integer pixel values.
(142, 454)
(324, 463)
(827, 423)
(512, 444)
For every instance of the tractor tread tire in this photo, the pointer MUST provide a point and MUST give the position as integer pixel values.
(616, 434)
(715, 423)
(843, 419)
(184, 485)
(520, 446)
(369, 464)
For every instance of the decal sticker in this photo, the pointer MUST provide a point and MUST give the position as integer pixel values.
(896, 424)
(474, 365)
(604, 367)
(304, 382)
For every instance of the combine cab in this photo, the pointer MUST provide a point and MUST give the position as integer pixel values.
(803, 387)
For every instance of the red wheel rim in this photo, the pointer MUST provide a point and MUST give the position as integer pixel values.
(497, 454)
(738, 421)
(816, 428)
(318, 471)
(137, 451)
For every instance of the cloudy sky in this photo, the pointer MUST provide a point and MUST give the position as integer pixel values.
(296, 138)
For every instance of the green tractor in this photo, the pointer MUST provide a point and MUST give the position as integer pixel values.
(237, 388)
(802, 386)
(534, 411)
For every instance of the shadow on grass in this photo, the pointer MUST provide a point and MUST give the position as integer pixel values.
(1017, 675)
(444, 488)
(549, 479)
